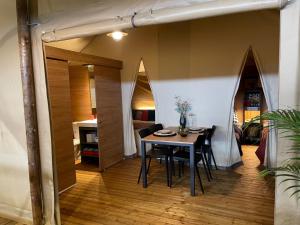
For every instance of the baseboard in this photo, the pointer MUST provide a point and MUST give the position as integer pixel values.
(235, 165)
(130, 156)
(15, 214)
(66, 189)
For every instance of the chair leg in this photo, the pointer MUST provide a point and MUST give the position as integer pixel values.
(182, 168)
(149, 165)
(213, 157)
(171, 162)
(167, 169)
(173, 167)
(198, 174)
(205, 169)
(207, 165)
(140, 174)
(179, 168)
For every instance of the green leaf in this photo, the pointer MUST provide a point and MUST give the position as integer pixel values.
(287, 123)
(289, 179)
(293, 186)
(297, 191)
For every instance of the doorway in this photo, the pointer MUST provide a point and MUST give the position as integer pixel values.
(250, 103)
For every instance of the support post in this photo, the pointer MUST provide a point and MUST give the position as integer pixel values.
(29, 99)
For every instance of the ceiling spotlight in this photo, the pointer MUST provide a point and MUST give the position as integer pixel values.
(117, 35)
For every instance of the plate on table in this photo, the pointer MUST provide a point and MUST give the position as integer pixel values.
(196, 129)
(160, 134)
(164, 131)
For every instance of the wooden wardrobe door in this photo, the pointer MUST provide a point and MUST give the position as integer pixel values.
(80, 93)
(61, 121)
(109, 115)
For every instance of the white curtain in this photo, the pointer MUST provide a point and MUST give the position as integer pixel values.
(128, 86)
(234, 155)
(270, 87)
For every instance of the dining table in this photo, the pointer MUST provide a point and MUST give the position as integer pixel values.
(176, 140)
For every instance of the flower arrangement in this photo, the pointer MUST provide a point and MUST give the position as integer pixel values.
(182, 106)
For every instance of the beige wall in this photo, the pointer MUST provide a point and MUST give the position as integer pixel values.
(14, 178)
(76, 44)
(287, 210)
(199, 60)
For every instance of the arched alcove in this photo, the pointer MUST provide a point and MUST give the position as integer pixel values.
(249, 103)
(142, 104)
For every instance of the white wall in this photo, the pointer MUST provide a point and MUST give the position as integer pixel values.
(199, 60)
(287, 210)
(14, 179)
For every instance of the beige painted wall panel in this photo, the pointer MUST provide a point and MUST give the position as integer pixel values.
(287, 210)
(198, 60)
(14, 178)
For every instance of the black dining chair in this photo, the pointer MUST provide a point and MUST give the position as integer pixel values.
(157, 151)
(207, 146)
(157, 127)
(183, 155)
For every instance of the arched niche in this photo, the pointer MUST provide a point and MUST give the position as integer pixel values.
(249, 102)
(142, 103)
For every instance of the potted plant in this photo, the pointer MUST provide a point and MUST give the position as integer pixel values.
(182, 107)
(287, 122)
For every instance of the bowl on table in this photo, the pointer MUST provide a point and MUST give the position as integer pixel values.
(183, 132)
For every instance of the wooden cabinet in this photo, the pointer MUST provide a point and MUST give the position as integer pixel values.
(61, 122)
(109, 114)
(89, 148)
(80, 93)
(65, 95)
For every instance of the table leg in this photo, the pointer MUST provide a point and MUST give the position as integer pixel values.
(192, 169)
(170, 170)
(209, 159)
(144, 169)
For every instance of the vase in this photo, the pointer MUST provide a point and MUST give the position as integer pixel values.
(182, 120)
(183, 132)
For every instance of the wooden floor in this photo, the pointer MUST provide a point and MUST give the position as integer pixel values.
(8, 222)
(236, 196)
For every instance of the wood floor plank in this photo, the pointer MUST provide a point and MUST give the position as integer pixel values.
(236, 196)
(4, 221)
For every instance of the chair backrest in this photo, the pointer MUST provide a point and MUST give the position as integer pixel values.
(210, 134)
(158, 126)
(152, 128)
(200, 141)
(145, 132)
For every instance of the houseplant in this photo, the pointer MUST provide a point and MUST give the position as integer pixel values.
(287, 122)
(182, 107)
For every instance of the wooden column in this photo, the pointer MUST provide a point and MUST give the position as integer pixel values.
(30, 111)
